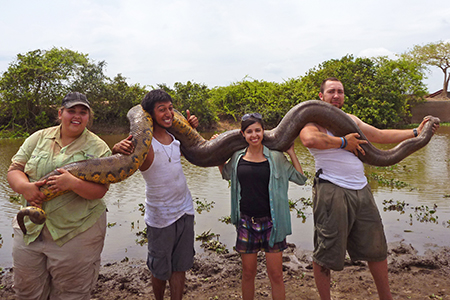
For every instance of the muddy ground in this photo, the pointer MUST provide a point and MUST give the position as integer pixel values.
(216, 276)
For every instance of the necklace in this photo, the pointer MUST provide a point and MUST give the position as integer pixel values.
(171, 151)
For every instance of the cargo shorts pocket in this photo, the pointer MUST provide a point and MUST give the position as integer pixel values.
(326, 236)
(159, 264)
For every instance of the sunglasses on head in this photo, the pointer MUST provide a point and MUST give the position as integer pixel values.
(254, 115)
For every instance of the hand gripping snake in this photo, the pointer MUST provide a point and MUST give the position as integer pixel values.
(208, 153)
(111, 169)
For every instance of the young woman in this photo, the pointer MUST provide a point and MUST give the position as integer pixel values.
(59, 259)
(259, 204)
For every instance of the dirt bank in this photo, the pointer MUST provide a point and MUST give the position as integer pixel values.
(218, 277)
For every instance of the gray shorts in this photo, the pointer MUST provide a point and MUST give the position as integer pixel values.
(171, 249)
(346, 220)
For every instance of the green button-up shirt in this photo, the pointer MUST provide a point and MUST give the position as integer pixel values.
(281, 172)
(69, 214)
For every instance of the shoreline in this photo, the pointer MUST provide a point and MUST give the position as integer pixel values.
(217, 276)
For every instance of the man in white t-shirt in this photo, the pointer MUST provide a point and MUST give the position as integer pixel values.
(169, 210)
(346, 217)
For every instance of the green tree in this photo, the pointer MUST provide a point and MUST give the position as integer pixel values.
(195, 98)
(435, 55)
(34, 85)
(249, 96)
(377, 90)
(114, 100)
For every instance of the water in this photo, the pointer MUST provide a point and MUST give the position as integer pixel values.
(425, 174)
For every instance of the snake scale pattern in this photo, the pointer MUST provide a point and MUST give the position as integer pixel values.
(111, 169)
(208, 153)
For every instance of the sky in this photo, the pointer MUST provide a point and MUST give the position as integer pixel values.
(219, 42)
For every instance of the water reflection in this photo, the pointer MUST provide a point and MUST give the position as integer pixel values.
(425, 174)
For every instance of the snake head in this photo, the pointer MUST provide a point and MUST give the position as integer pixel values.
(433, 119)
(36, 215)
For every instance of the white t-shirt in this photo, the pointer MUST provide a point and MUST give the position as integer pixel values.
(340, 167)
(167, 195)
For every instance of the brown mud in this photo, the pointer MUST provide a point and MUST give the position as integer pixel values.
(215, 276)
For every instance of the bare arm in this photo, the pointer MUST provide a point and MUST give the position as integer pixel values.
(388, 136)
(67, 182)
(294, 159)
(125, 146)
(148, 160)
(312, 136)
(222, 165)
(19, 183)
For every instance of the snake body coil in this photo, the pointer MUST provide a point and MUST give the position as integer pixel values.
(207, 153)
(105, 170)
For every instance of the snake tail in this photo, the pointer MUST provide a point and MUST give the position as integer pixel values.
(36, 215)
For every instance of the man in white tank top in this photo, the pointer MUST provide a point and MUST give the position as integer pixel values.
(346, 218)
(169, 210)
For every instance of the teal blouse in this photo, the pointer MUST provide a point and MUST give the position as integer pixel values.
(281, 172)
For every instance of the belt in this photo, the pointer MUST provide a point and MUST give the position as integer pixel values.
(324, 181)
(256, 220)
(320, 180)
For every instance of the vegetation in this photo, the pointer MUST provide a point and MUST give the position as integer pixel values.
(435, 55)
(204, 205)
(306, 204)
(378, 90)
(210, 241)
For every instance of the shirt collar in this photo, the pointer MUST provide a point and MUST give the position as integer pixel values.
(56, 135)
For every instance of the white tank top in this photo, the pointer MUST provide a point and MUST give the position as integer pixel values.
(340, 167)
(167, 195)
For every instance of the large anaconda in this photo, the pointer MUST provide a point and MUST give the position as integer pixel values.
(103, 170)
(207, 153)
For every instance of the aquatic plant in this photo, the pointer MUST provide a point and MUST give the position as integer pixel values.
(399, 206)
(142, 240)
(203, 205)
(425, 214)
(306, 204)
(387, 182)
(225, 219)
(142, 208)
(210, 241)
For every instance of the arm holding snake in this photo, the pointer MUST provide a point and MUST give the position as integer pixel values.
(216, 152)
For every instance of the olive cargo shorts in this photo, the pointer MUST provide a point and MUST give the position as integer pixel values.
(346, 220)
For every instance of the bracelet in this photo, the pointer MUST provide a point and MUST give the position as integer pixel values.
(415, 132)
(344, 142)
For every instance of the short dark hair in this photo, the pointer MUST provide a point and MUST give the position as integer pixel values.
(251, 120)
(153, 97)
(322, 85)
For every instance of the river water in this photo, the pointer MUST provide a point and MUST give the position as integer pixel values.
(417, 184)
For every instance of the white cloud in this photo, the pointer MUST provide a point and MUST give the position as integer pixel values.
(219, 42)
(375, 52)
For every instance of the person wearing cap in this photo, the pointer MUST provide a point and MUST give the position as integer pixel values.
(259, 180)
(59, 259)
(169, 208)
(346, 217)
